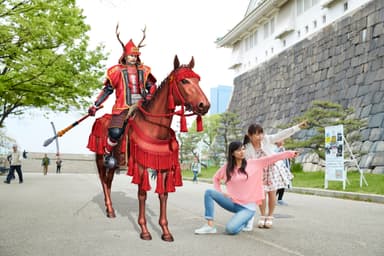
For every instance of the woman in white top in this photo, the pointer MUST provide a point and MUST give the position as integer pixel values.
(258, 144)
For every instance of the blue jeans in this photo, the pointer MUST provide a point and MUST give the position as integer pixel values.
(11, 173)
(238, 221)
(195, 176)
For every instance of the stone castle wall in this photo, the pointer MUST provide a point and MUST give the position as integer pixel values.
(343, 63)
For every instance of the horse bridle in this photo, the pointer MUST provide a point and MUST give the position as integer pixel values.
(171, 102)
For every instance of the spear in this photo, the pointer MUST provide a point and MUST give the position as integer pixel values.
(62, 132)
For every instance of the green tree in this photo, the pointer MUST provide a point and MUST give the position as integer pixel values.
(320, 115)
(211, 122)
(189, 144)
(192, 142)
(228, 130)
(219, 130)
(44, 57)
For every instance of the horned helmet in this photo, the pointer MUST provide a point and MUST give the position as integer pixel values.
(130, 49)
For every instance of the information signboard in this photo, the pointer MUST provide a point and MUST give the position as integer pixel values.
(334, 155)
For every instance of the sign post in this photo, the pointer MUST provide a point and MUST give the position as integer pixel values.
(354, 161)
(334, 155)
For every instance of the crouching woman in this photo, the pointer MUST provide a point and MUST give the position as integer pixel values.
(243, 181)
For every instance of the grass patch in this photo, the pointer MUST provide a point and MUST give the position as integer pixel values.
(316, 180)
(206, 173)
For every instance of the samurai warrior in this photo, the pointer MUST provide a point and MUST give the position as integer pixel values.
(131, 81)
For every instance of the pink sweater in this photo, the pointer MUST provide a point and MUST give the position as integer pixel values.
(243, 190)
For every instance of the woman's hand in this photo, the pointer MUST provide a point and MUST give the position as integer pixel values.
(303, 124)
(294, 153)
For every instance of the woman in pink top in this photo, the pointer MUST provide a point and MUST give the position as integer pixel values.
(244, 188)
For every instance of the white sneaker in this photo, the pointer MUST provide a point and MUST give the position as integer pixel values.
(247, 229)
(249, 226)
(206, 229)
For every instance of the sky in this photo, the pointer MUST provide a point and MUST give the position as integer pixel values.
(173, 27)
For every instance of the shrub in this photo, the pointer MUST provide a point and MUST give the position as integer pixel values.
(296, 167)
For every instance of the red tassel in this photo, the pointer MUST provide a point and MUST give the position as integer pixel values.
(130, 166)
(183, 124)
(178, 178)
(159, 183)
(145, 181)
(170, 182)
(199, 123)
(136, 175)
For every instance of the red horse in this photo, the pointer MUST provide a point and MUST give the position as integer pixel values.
(150, 142)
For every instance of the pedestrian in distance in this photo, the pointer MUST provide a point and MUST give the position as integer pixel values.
(287, 164)
(45, 162)
(244, 188)
(59, 162)
(196, 169)
(15, 165)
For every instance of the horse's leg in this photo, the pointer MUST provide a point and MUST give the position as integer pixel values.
(142, 196)
(106, 181)
(163, 221)
(108, 201)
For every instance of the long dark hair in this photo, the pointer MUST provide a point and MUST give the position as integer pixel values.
(233, 146)
(252, 129)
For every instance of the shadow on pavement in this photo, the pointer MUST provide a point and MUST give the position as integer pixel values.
(126, 206)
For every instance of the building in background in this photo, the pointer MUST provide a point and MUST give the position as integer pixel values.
(220, 97)
(272, 26)
(286, 54)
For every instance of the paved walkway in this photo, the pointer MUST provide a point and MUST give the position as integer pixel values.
(64, 214)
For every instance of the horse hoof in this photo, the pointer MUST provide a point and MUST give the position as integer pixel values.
(111, 214)
(146, 236)
(167, 237)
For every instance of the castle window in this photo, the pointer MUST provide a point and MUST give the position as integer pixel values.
(255, 38)
(266, 30)
(299, 7)
(307, 4)
(272, 26)
(304, 5)
(250, 42)
(345, 5)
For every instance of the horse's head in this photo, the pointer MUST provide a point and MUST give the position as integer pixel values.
(185, 88)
